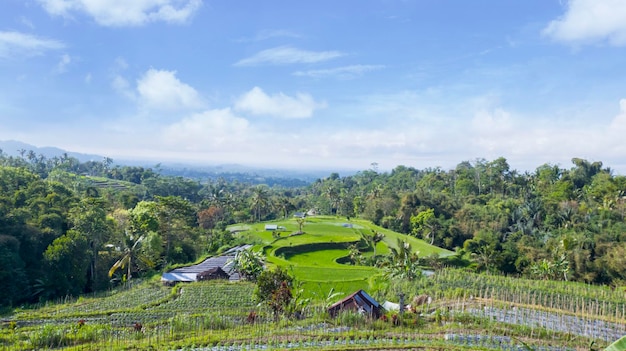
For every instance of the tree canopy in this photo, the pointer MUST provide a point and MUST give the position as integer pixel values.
(64, 225)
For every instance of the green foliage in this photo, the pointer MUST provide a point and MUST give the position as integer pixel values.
(12, 272)
(49, 337)
(506, 221)
(618, 345)
(249, 264)
(269, 281)
(67, 264)
(402, 262)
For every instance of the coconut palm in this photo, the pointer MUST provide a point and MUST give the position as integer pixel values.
(259, 200)
(376, 238)
(402, 262)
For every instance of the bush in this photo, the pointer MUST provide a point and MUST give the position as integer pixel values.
(270, 281)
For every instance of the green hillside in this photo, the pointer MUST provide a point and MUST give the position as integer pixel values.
(317, 257)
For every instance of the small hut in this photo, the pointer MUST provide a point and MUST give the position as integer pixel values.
(213, 273)
(360, 302)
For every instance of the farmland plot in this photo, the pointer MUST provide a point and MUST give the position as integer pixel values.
(559, 322)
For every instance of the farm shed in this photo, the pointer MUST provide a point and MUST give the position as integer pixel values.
(213, 273)
(271, 227)
(359, 301)
(191, 273)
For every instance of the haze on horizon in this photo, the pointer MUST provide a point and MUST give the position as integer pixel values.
(319, 84)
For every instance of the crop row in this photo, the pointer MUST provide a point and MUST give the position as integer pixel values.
(465, 341)
(198, 297)
(558, 322)
(575, 298)
(125, 299)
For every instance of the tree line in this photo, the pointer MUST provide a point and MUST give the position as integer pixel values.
(68, 228)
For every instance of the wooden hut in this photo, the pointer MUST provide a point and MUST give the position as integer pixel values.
(360, 302)
(213, 273)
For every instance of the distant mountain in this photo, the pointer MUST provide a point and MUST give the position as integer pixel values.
(13, 147)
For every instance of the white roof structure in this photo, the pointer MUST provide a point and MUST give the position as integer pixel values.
(179, 277)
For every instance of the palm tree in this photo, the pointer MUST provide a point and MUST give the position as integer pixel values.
(402, 262)
(376, 238)
(259, 199)
(376, 192)
(332, 194)
(284, 205)
(131, 252)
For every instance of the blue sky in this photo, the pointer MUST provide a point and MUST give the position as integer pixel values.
(318, 84)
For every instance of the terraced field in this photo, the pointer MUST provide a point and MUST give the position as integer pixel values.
(469, 311)
(223, 316)
(314, 256)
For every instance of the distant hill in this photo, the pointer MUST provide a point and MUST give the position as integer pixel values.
(13, 147)
(228, 172)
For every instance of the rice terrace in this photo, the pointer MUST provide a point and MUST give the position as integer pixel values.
(465, 310)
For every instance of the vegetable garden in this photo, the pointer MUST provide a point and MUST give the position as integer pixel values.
(223, 316)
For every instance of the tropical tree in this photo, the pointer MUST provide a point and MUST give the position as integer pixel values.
(373, 240)
(402, 262)
(176, 216)
(259, 200)
(12, 272)
(66, 262)
(132, 252)
(301, 221)
(249, 264)
(269, 281)
(332, 193)
(426, 224)
(90, 219)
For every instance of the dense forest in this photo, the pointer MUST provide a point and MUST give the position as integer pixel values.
(68, 228)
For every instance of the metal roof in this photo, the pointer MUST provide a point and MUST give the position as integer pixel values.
(188, 273)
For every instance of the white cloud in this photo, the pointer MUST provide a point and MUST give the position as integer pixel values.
(591, 20)
(617, 130)
(488, 127)
(345, 72)
(207, 130)
(21, 44)
(63, 62)
(120, 64)
(125, 12)
(121, 86)
(269, 34)
(257, 102)
(287, 55)
(28, 23)
(159, 89)
(530, 141)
